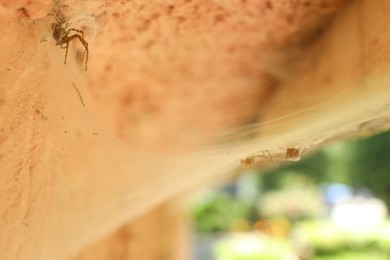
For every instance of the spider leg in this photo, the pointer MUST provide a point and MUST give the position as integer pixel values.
(72, 29)
(64, 40)
(66, 52)
(264, 154)
(86, 58)
(84, 43)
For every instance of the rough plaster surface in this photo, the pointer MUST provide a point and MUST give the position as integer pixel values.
(175, 93)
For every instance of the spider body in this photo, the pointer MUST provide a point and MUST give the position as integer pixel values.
(61, 35)
(292, 154)
(251, 159)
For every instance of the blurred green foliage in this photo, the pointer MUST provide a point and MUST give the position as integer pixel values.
(315, 240)
(218, 211)
(359, 163)
(253, 247)
(353, 255)
(327, 241)
(294, 203)
(292, 192)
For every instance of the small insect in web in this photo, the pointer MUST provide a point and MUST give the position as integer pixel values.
(251, 159)
(61, 33)
(292, 154)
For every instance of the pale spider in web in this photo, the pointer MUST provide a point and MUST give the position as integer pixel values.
(61, 35)
(251, 159)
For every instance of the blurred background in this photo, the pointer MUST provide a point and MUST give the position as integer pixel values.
(330, 205)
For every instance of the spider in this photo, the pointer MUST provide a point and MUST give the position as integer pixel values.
(61, 35)
(250, 160)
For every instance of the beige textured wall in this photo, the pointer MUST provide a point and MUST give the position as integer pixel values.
(175, 94)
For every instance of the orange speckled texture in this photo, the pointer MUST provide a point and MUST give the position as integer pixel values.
(166, 75)
(179, 70)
